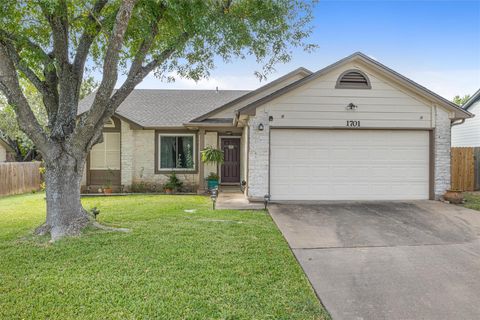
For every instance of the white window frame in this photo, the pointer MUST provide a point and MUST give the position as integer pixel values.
(159, 159)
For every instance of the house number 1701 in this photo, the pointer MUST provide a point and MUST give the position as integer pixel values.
(353, 123)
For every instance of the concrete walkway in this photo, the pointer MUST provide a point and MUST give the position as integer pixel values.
(387, 260)
(236, 201)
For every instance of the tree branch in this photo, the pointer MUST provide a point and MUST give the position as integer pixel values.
(64, 120)
(110, 70)
(29, 73)
(135, 78)
(27, 121)
(48, 93)
(146, 43)
(59, 25)
(91, 30)
(47, 88)
(25, 42)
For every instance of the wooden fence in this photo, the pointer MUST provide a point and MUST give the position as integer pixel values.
(465, 169)
(19, 177)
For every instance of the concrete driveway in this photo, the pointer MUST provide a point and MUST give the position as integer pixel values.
(387, 260)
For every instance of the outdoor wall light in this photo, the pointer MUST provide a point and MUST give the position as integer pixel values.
(260, 127)
(266, 200)
(352, 106)
(243, 185)
(214, 196)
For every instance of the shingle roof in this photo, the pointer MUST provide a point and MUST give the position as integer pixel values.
(168, 108)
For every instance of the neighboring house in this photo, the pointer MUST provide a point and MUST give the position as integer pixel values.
(355, 130)
(6, 152)
(468, 134)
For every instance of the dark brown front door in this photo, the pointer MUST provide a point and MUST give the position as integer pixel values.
(231, 166)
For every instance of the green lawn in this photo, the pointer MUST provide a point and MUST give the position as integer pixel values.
(174, 264)
(472, 200)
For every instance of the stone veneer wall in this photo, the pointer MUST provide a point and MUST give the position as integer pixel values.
(126, 154)
(442, 152)
(258, 157)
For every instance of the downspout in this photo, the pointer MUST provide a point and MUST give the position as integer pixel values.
(453, 123)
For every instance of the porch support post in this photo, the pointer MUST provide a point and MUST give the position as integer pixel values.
(201, 146)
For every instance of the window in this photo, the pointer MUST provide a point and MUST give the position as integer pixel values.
(353, 79)
(176, 151)
(106, 155)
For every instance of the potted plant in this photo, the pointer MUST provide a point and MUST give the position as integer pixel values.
(173, 184)
(212, 181)
(107, 189)
(453, 196)
(211, 155)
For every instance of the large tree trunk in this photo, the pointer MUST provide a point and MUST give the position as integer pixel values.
(65, 214)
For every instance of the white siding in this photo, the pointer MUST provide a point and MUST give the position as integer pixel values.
(230, 112)
(468, 133)
(320, 104)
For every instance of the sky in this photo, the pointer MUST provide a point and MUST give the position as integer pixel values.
(435, 43)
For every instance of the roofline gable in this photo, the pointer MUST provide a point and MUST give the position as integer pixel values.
(250, 108)
(297, 71)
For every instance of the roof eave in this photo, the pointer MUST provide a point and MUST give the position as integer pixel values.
(300, 70)
(250, 108)
(208, 125)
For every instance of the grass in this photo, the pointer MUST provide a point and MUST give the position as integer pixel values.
(472, 200)
(206, 264)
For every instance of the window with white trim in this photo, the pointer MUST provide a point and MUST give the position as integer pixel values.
(176, 151)
(106, 155)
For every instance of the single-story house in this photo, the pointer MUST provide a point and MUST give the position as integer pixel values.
(468, 134)
(354, 130)
(6, 152)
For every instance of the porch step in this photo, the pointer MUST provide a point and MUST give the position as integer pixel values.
(236, 201)
(229, 189)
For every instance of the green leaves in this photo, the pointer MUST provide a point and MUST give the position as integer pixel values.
(210, 155)
(461, 100)
(266, 29)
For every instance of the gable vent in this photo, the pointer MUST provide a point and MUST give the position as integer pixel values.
(353, 79)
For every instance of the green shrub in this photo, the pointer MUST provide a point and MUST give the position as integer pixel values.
(173, 182)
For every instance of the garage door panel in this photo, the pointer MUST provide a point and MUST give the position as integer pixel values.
(349, 164)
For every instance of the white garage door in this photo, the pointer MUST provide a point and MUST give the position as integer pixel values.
(349, 164)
